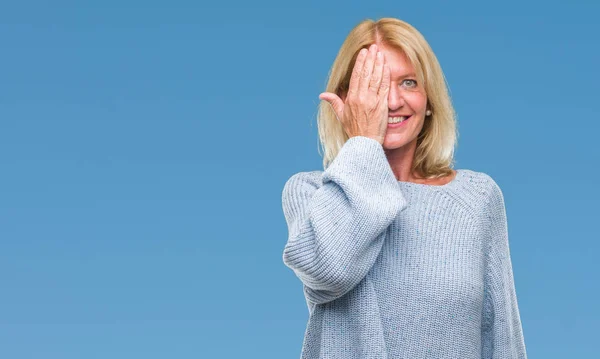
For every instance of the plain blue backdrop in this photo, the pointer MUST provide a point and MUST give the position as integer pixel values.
(144, 146)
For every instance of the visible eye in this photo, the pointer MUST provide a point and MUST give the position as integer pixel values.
(412, 84)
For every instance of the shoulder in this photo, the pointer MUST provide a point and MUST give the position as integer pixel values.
(492, 190)
(482, 182)
(492, 199)
(479, 190)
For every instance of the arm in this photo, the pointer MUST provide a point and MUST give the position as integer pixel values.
(337, 220)
(502, 334)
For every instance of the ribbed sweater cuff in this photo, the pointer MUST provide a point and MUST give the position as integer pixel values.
(363, 158)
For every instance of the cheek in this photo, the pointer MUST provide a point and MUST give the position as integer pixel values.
(417, 101)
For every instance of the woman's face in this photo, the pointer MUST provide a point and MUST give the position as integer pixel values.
(406, 97)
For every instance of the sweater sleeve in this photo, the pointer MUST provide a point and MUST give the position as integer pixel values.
(502, 333)
(337, 219)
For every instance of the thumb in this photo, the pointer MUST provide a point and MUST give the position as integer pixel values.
(335, 102)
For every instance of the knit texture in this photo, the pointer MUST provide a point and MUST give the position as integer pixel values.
(393, 269)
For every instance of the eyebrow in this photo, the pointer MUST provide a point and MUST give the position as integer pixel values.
(412, 74)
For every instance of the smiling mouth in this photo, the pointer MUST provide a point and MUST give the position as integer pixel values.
(397, 122)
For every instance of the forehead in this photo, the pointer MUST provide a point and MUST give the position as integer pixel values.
(397, 61)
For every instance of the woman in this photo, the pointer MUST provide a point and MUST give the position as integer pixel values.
(399, 255)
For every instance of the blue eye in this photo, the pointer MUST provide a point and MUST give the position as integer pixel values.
(414, 83)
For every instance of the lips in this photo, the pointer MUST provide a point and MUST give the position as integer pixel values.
(399, 124)
(405, 117)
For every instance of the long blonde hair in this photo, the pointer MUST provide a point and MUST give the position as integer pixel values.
(434, 154)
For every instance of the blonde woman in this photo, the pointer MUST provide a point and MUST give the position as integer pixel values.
(399, 255)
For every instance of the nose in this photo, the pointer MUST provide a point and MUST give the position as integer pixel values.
(395, 99)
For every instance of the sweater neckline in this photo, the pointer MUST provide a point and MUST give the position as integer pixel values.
(456, 178)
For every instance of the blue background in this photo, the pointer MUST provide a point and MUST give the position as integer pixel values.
(144, 146)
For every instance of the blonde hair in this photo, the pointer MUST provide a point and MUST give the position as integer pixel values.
(437, 139)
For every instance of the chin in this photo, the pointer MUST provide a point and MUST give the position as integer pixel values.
(394, 141)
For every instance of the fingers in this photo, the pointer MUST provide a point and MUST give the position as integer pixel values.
(370, 74)
(377, 73)
(356, 72)
(384, 88)
(365, 77)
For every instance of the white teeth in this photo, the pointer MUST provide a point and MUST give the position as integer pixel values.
(396, 119)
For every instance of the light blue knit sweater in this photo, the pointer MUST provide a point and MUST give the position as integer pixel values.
(394, 269)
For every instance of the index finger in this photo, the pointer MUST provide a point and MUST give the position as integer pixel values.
(357, 70)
